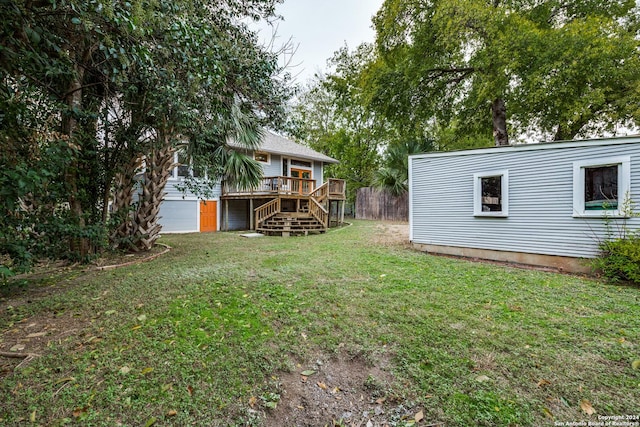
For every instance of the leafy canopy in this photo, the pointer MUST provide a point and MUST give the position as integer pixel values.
(564, 69)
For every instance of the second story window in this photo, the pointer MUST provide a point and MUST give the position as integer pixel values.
(302, 163)
(183, 168)
(261, 157)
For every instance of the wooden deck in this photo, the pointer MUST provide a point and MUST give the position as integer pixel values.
(272, 186)
(295, 206)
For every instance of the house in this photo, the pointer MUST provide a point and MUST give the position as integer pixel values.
(293, 196)
(542, 204)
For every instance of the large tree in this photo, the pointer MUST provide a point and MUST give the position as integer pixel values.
(331, 115)
(488, 68)
(89, 89)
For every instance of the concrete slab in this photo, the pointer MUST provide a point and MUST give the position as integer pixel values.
(252, 235)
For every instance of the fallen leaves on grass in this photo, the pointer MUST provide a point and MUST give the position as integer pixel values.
(78, 412)
(586, 407)
(17, 347)
(252, 401)
(543, 383)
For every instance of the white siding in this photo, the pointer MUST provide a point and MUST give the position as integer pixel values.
(540, 217)
(179, 216)
(174, 194)
(317, 174)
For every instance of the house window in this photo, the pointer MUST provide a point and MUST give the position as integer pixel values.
(184, 168)
(491, 194)
(261, 157)
(302, 163)
(600, 186)
(183, 164)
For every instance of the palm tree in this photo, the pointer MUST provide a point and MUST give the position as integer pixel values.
(394, 175)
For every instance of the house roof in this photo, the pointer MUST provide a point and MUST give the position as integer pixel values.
(616, 140)
(276, 144)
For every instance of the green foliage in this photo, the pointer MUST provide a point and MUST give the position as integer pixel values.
(394, 176)
(619, 259)
(563, 68)
(332, 117)
(88, 86)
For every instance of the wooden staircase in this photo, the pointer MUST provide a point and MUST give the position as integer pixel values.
(291, 224)
(298, 212)
(310, 215)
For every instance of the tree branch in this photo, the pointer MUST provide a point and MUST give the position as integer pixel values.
(451, 70)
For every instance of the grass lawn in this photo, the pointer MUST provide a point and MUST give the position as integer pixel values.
(209, 333)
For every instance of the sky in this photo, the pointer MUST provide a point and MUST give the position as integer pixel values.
(317, 28)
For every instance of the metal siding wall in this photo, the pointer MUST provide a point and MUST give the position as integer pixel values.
(540, 201)
(317, 174)
(274, 168)
(174, 194)
(179, 216)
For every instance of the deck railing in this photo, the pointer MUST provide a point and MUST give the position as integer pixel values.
(337, 188)
(274, 185)
(318, 212)
(266, 211)
(321, 192)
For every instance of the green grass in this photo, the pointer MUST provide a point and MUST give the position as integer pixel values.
(206, 327)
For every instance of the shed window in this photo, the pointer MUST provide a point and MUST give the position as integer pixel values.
(491, 194)
(599, 187)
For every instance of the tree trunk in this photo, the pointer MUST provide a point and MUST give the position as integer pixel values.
(73, 100)
(499, 117)
(122, 208)
(146, 229)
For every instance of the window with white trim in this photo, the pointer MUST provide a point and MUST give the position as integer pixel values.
(261, 157)
(302, 163)
(600, 186)
(491, 194)
(184, 168)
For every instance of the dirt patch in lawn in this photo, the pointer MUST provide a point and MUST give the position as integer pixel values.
(30, 337)
(24, 339)
(339, 391)
(392, 234)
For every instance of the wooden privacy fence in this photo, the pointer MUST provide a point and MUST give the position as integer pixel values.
(372, 203)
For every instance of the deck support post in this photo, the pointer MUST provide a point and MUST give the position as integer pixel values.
(226, 215)
(251, 216)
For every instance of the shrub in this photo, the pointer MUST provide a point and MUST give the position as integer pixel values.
(619, 259)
